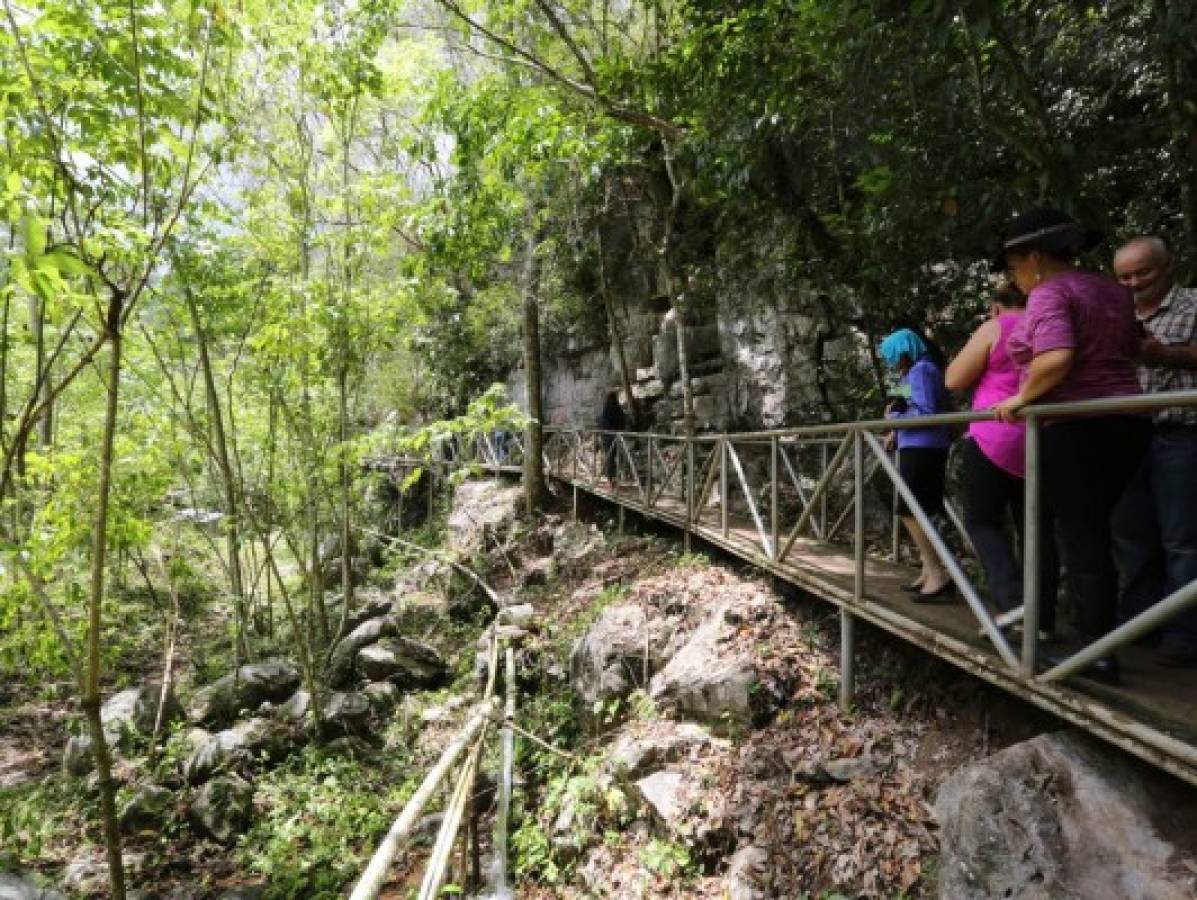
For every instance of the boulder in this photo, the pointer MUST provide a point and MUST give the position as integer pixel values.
(252, 685)
(574, 547)
(131, 711)
(19, 887)
(86, 874)
(655, 746)
(340, 662)
(236, 749)
(1062, 816)
(614, 656)
(266, 682)
(520, 615)
(382, 694)
(407, 663)
(744, 872)
(709, 679)
(346, 713)
(223, 807)
(482, 510)
(668, 796)
(372, 606)
(295, 709)
(148, 806)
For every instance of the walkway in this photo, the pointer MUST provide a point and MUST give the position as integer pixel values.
(781, 501)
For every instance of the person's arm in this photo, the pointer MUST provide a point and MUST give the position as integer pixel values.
(1046, 371)
(1168, 356)
(923, 381)
(969, 364)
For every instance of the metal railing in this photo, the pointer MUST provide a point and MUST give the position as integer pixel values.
(694, 481)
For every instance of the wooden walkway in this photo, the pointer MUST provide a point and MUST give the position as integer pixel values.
(1153, 714)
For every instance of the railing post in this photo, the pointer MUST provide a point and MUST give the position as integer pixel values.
(648, 476)
(894, 522)
(689, 486)
(774, 493)
(823, 499)
(847, 620)
(723, 492)
(1031, 550)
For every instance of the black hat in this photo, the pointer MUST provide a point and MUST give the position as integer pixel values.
(1043, 228)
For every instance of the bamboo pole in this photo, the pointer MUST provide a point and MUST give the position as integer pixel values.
(502, 889)
(375, 875)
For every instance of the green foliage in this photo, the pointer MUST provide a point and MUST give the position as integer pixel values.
(323, 815)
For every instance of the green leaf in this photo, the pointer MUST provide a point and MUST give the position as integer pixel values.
(33, 230)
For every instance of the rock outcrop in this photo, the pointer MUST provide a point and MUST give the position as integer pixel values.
(1060, 817)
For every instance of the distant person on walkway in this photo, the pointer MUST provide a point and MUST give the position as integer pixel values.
(993, 459)
(1155, 526)
(611, 418)
(922, 452)
(1078, 341)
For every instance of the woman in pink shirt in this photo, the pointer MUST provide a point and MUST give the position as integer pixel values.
(1078, 340)
(993, 458)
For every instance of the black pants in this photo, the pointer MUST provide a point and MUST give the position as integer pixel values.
(1087, 465)
(991, 497)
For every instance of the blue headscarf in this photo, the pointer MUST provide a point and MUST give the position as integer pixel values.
(902, 342)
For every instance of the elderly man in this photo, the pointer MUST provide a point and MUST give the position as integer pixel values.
(1156, 524)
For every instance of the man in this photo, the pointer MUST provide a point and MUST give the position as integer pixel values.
(1156, 524)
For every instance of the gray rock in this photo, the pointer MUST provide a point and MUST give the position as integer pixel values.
(149, 805)
(409, 664)
(744, 869)
(611, 659)
(709, 678)
(1060, 816)
(223, 807)
(86, 874)
(18, 887)
(296, 708)
(520, 615)
(668, 795)
(635, 755)
(236, 749)
(340, 662)
(254, 684)
(347, 713)
(128, 712)
(374, 606)
(482, 510)
(382, 694)
(849, 769)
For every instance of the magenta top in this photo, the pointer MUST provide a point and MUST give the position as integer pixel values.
(1004, 443)
(1092, 315)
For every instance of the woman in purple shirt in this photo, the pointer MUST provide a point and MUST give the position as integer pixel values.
(922, 452)
(1078, 341)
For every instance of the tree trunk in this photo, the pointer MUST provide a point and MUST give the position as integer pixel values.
(534, 483)
(346, 549)
(99, 550)
(616, 332)
(1181, 81)
(677, 302)
(228, 482)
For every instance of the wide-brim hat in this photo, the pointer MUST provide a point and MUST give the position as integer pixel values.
(1043, 228)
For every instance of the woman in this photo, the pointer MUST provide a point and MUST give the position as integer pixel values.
(611, 418)
(1077, 341)
(922, 452)
(993, 459)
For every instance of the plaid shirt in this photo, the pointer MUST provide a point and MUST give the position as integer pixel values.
(1174, 322)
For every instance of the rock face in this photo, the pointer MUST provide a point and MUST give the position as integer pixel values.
(223, 807)
(147, 807)
(481, 510)
(1059, 816)
(635, 755)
